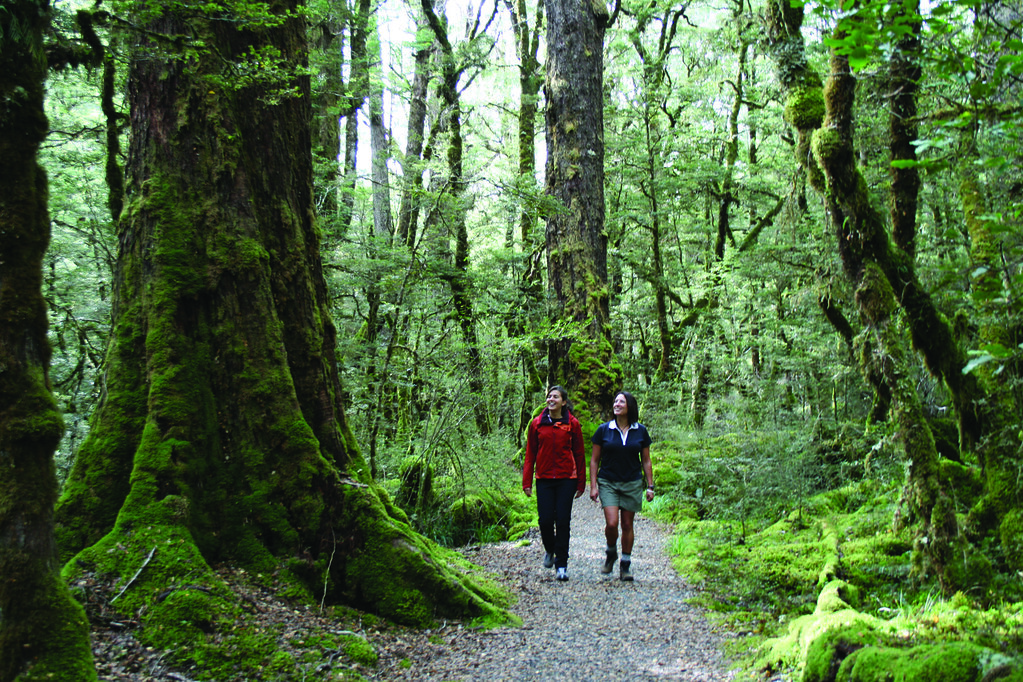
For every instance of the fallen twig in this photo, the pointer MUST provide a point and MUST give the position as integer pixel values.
(144, 564)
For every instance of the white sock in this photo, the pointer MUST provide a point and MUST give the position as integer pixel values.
(626, 558)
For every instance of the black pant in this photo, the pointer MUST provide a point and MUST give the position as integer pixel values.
(554, 498)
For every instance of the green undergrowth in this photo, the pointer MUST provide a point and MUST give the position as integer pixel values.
(456, 502)
(819, 586)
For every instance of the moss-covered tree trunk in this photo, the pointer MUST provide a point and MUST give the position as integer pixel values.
(221, 436)
(43, 632)
(327, 39)
(412, 173)
(875, 268)
(575, 237)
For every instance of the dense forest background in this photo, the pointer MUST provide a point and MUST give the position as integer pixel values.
(811, 226)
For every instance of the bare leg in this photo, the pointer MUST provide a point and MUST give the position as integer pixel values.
(611, 525)
(628, 530)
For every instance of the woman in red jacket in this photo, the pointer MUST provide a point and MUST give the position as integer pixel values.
(554, 447)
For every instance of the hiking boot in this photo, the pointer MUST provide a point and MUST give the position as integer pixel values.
(626, 570)
(609, 561)
(548, 560)
(562, 573)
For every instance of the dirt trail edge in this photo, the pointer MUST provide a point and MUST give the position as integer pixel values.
(592, 626)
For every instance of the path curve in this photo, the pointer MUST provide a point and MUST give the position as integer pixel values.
(592, 626)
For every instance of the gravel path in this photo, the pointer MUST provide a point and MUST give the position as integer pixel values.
(592, 626)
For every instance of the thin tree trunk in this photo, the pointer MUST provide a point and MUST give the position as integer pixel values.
(379, 239)
(412, 182)
(328, 39)
(902, 129)
(358, 90)
(530, 302)
(458, 279)
(726, 196)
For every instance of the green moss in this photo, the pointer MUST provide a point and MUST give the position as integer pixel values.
(416, 483)
(969, 570)
(476, 515)
(804, 106)
(407, 578)
(52, 633)
(359, 650)
(827, 652)
(281, 662)
(826, 144)
(836, 596)
(953, 662)
(1011, 533)
(964, 482)
(792, 649)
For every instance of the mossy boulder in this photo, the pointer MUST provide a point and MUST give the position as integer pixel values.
(827, 652)
(949, 662)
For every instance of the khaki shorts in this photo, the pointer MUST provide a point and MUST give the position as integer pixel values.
(626, 495)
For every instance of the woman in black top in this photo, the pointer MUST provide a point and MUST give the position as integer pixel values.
(618, 465)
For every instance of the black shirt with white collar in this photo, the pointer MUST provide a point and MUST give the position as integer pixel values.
(620, 457)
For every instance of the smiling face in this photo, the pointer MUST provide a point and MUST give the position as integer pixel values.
(620, 407)
(555, 402)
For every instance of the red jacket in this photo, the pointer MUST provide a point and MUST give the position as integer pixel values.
(555, 448)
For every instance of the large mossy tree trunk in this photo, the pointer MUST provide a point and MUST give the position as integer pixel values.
(221, 437)
(575, 237)
(43, 632)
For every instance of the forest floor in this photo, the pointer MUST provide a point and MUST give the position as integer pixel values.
(591, 627)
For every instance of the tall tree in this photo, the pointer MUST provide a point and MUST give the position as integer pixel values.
(221, 437)
(43, 632)
(655, 100)
(528, 305)
(575, 238)
(454, 202)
